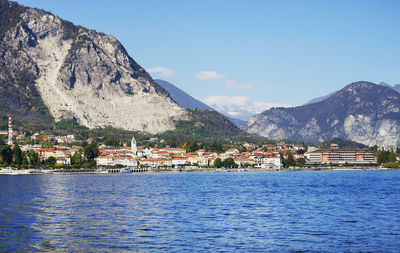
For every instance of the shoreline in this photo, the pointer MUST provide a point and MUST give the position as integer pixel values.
(14, 171)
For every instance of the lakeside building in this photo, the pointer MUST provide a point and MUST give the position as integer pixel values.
(268, 160)
(112, 160)
(61, 154)
(179, 162)
(243, 161)
(155, 163)
(342, 156)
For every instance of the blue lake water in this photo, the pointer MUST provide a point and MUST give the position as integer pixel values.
(326, 211)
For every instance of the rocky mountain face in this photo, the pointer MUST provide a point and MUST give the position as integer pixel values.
(52, 69)
(363, 112)
(395, 87)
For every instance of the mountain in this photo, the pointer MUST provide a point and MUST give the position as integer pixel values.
(183, 99)
(51, 69)
(362, 111)
(395, 87)
(238, 107)
(236, 121)
(319, 99)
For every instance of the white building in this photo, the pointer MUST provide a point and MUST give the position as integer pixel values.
(133, 146)
(156, 162)
(272, 163)
(179, 162)
(112, 160)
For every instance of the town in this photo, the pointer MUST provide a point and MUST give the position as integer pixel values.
(64, 153)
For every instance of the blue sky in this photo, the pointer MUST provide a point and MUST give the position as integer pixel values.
(283, 52)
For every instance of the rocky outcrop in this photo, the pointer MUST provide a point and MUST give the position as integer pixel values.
(82, 74)
(363, 112)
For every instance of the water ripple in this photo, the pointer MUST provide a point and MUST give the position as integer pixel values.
(348, 211)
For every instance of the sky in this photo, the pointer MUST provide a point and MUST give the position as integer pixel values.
(282, 52)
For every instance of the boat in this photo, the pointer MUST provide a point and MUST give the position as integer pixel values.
(125, 170)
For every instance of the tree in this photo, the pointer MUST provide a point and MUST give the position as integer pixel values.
(91, 151)
(191, 146)
(290, 161)
(51, 161)
(229, 163)
(385, 156)
(301, 161)
(7, 155)
(111, 140)
(373, 148)
(242, 149)
(77, 158)
(218, 163)
(392, 157)
(33, 157)
(17, 155)
(47, 144)
(392, 165)
(24, 162)
(184, 146)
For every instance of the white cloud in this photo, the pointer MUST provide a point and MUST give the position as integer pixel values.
(161, 71)
(224, 101)
(240, 107)
(209, 75)
(230, 84)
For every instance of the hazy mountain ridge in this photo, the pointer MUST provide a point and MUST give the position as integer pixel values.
(182, 98)
(76, 73)
(362, 112)
(185, 100)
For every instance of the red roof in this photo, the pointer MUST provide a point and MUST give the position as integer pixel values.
(155, 160)
(46, 150)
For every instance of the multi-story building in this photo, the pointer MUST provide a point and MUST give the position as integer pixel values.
(156, 163)
(269, 160)
(342, 156)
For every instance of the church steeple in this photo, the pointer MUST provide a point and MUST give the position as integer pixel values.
(133, 145)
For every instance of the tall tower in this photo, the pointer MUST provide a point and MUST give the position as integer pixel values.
(9, 142)
(133, 145)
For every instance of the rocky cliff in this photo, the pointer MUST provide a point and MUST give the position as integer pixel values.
(363, 112)
(53, 69)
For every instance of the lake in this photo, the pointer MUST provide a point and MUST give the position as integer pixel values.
(324, 211)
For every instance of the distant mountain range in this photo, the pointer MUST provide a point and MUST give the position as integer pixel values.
(363, 112)
(185, 100)
(239, 107)
(238, 111)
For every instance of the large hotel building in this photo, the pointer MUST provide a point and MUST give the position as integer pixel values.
(342, 156)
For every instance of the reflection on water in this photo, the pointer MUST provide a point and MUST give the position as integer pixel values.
(284, 211)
